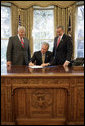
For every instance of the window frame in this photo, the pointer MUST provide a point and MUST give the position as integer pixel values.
(76, 31)
(7, 5)
(43, 8)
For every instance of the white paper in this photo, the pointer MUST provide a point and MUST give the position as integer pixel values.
(36, 66)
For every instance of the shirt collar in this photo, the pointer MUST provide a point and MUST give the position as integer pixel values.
(61, 36)
(19, 37)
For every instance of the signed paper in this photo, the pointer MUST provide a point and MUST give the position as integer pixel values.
(36, 66)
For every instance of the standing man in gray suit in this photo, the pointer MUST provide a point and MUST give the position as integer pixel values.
(18, 50)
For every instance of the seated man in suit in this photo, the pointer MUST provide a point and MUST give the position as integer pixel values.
(42, 56)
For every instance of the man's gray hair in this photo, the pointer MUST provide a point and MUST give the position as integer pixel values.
(62, 27)
(46, 44)
(21, 27)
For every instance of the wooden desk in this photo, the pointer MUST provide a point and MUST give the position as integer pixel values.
(48, 96)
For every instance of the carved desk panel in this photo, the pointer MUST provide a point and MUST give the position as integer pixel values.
(47, 96)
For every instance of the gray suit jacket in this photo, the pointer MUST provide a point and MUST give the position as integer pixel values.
(16, 53)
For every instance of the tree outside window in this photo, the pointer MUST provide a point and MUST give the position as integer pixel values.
(80, 32)
(43, 28)
(5, 32)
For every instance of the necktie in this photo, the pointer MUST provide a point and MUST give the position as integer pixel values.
(43, 58)
(58, 41)
(22, 43)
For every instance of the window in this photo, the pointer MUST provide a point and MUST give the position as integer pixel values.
(5, 32)
(43, 27)
(79, 36)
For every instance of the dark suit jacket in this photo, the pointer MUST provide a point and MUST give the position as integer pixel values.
(16, 53)
(37, 57)
(64, 50)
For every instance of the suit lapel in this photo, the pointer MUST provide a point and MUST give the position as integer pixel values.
(19, 42)
(40, 56)
(25, 43)
(46, 56)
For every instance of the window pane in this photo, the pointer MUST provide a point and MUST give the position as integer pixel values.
(5, 22)
(80, 32)
(38, 43)
(43, 28)
(4, 44)
(80, 44)
(80, 53)
(5, 32)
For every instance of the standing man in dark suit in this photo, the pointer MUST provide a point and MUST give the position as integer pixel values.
(63, 48)
(18, 50)
(42, 56)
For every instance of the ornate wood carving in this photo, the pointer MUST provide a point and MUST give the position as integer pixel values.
(41, 98)
(40, 81)
(59, 99)
(80, 104)
(80, 81)
(2, 80)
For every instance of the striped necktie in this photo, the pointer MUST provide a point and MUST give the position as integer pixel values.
(22, 43)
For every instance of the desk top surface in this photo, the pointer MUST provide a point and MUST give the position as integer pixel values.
(46, 71)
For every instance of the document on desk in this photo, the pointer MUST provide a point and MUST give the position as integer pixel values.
(36, 66)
